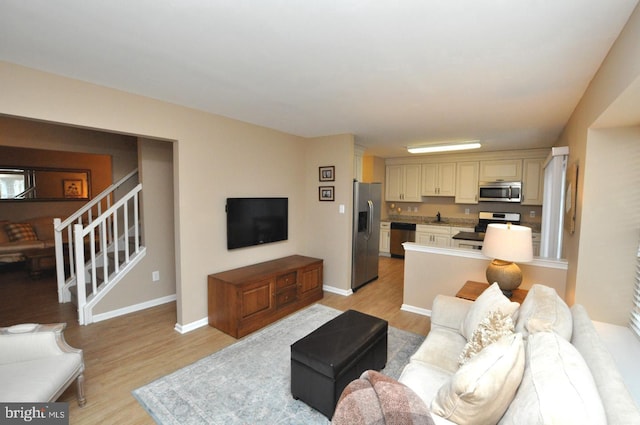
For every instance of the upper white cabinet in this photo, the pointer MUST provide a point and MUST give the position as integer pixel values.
(403, 183)
(439, 179)
(532, 181)
(467, 182)
(501, 170)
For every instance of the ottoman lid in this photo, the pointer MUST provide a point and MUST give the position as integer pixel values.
(333, 345)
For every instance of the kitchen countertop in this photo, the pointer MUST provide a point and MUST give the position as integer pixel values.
(454, 222)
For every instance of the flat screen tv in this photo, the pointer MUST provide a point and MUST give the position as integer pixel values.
(255, 221)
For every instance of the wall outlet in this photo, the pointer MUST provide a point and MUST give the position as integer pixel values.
(155, 276)
(532, 214)
(466, 211)
(341, 209)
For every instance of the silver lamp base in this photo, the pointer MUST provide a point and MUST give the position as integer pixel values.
(507, 274)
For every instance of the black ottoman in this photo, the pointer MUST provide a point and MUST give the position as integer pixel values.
(326, 360)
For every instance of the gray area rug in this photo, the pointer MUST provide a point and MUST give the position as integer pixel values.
(249, 382)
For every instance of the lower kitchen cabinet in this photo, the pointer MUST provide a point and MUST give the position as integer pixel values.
(246, 299)
(385, 238)
(433, 235)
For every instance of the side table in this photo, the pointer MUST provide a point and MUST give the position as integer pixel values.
(39, 260)
(472, 290)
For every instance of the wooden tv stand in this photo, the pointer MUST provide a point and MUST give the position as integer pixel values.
(246, 299)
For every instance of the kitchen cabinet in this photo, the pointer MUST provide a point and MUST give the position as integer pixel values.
(403, 183)
(433, 235)
(501, 170)
(467, 182)
(439, 179)
(385, 238)
(532, 181)
(246, 299)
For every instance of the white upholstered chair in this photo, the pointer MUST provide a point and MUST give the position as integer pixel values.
(37, 364)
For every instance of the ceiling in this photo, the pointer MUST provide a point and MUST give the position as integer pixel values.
(508, 73)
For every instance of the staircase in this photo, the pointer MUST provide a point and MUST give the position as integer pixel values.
(94, 254)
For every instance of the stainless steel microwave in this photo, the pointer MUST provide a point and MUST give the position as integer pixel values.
(500, 191)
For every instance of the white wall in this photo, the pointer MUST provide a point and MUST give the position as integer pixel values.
(610, 224)
(611, 100)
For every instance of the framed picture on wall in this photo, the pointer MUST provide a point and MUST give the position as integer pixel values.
(325, 193)
(72, 188)
(327, 173)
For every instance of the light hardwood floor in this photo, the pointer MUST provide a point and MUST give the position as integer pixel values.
(127, 352)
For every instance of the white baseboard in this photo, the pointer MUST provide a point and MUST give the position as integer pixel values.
(183, 329)
(417, 310)
(133, 308)
(334, 290)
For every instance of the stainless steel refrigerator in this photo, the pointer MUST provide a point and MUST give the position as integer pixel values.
(366, 233)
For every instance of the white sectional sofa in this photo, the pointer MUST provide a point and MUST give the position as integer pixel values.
(37, 365)
(551, 369)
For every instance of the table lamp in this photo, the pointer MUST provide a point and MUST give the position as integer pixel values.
(506, 243)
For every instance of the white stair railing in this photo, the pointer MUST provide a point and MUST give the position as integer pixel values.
(94, 231)
(100, 268)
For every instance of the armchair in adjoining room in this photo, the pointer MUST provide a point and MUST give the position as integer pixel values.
(37, 364)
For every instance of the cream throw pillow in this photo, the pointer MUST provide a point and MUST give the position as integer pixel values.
(491, 329)
(492, 299)
(544, 310)
(480, 391)
(557, 386)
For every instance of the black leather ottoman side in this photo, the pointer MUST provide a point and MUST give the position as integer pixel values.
(326, 360)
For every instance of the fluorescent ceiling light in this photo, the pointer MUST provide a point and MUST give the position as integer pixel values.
(448, 147)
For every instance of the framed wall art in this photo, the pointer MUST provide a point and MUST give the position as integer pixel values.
(325, 193)
(72, 188)
(327, 173)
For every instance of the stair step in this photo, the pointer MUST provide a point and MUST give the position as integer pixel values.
(74, 292)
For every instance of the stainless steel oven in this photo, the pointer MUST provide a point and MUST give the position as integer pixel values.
(474, 240)
(467, 244)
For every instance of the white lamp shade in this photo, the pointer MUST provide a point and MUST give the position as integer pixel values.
(508, 242)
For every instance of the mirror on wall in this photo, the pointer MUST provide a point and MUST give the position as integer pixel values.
(44, 184)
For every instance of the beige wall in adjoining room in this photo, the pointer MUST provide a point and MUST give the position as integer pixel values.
(213, 158)
(616, 79)
(109, 156)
